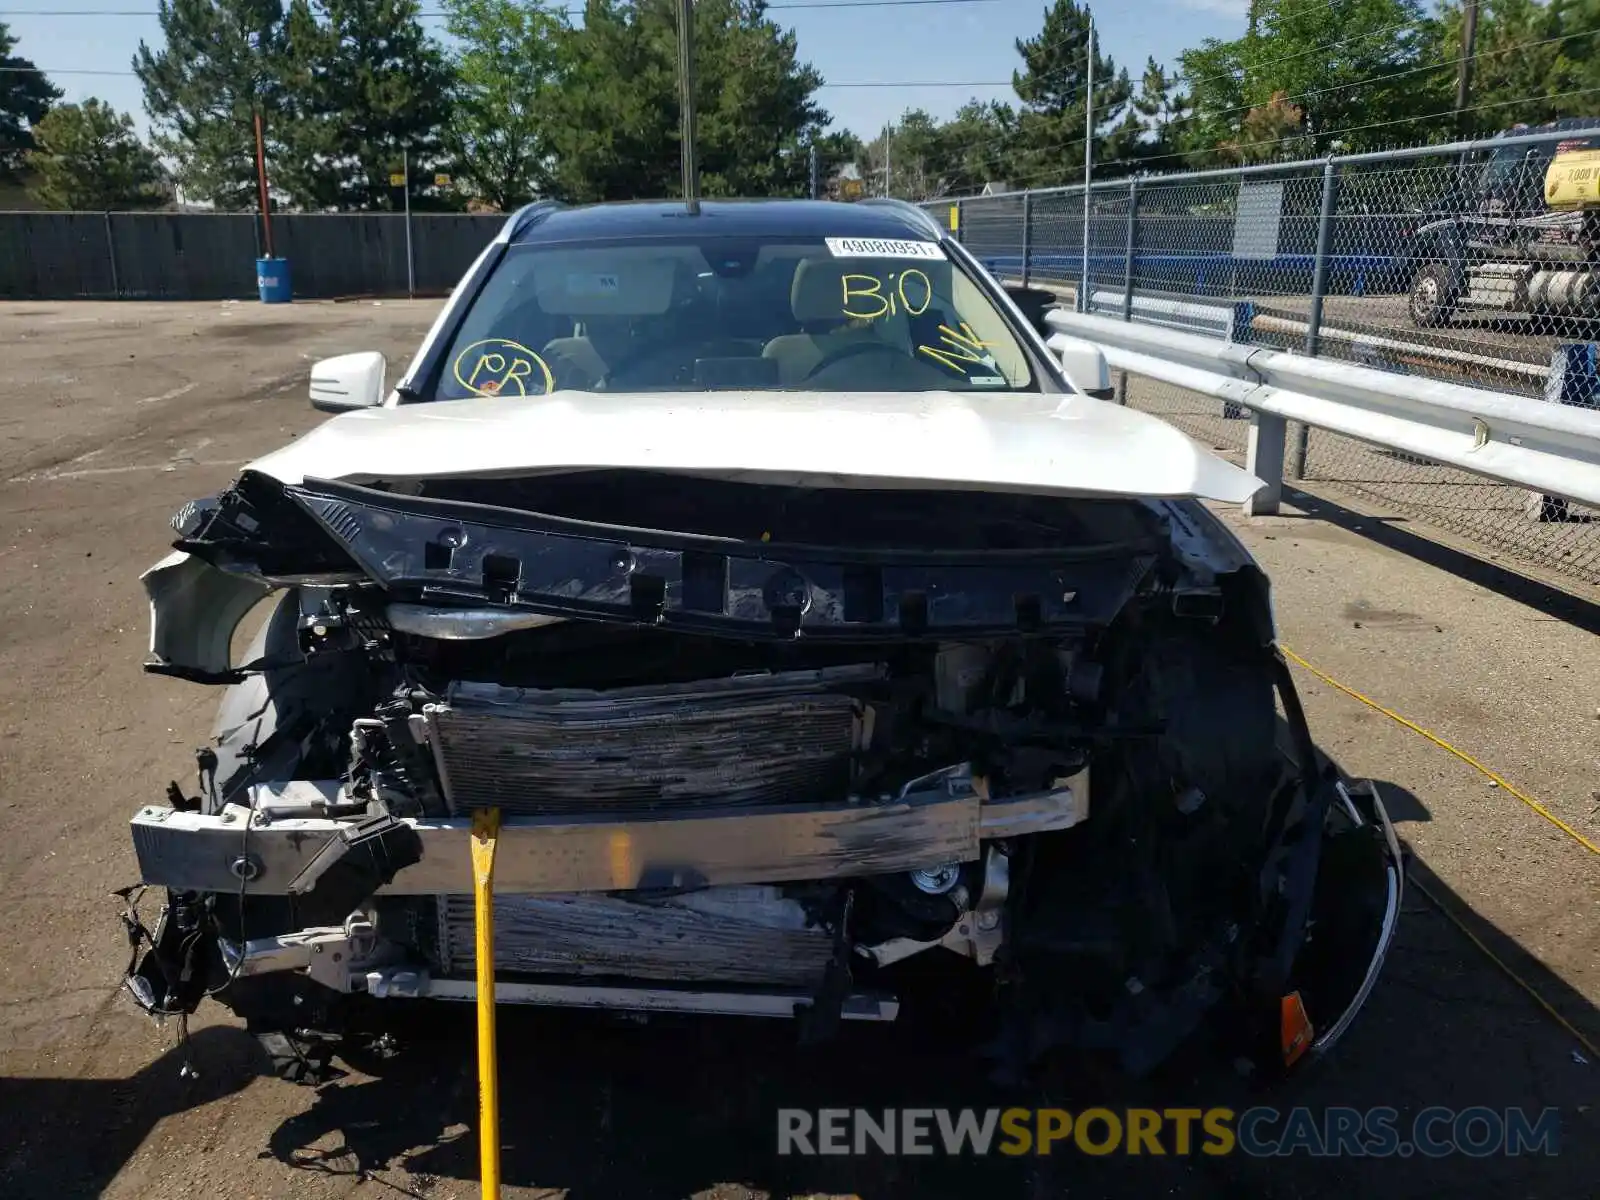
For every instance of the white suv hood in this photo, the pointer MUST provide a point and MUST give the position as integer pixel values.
(1013, 442)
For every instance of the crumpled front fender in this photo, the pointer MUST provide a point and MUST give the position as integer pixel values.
(194, 610)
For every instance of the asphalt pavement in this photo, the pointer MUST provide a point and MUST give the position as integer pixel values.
(113, 415)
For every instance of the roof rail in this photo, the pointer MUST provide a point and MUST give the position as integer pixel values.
(920, 216)
(529, 215)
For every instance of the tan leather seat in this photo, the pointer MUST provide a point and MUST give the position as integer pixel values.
(574, 354)
(817, 300)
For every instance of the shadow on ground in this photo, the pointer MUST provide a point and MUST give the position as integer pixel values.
(65, 1138)
(1391, 532)
(599, 1107)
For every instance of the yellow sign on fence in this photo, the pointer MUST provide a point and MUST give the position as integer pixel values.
(397, 179)
(441, 181)
(955, 218)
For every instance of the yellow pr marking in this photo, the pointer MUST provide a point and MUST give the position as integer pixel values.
(502, 367)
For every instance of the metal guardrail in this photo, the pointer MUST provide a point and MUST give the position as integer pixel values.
(1552, 449)
(1243, 321)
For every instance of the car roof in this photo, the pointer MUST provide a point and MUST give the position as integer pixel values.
(722, 218)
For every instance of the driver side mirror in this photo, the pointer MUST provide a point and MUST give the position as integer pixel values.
(348, 381)
(1085, 367)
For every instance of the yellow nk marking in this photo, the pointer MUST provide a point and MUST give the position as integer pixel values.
(962, 347)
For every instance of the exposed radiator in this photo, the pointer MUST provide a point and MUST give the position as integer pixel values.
(721, 935)
(749, 740)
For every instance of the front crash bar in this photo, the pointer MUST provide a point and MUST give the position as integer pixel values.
(945, 821)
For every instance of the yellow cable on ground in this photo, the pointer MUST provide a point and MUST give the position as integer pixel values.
(1444, 745)
(1500, 963)
(1594, 1052)
(485, 835)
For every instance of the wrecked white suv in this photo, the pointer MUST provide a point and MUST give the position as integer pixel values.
(822, 648)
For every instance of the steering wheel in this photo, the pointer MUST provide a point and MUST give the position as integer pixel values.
(854, 350)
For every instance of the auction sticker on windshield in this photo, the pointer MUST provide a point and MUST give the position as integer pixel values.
(849, 247)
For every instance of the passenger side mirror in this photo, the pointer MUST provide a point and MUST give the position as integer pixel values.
(348, 381)
(1085, 366)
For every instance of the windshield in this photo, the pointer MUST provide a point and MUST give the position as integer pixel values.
(831, 314)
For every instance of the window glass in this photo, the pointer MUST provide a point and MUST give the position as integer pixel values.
(834, 314)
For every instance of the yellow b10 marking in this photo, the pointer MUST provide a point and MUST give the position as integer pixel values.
(865, 298)
(499, 367)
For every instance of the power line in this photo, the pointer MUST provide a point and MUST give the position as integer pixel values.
(1448, 112)
(991, 159)
(1438, 66)
(919, 83)
(853, 83)
(432, 14)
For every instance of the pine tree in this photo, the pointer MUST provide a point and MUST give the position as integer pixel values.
(1054, 88)
(88, 157)
(615, 120)
(370, 88)
(1163, 109)
(25, 96)
(222, 65)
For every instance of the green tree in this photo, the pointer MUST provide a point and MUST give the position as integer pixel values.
(369, 87)
(89, 157)
(1528, 58)
(835, 149)
(1360, 72)
(221, 65)
(978, 147)
(1054, 89)
(507, 69)
(615, 120)
(1162, 109)
(912, 152)
(25, 96)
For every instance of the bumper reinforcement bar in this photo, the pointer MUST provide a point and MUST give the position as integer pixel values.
(943, 820)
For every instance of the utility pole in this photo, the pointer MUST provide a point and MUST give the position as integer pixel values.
(1088, 169)
(411, 259)
(691, 173)
(888, 163)
(261, 182)
(816, 189)
(1469, 38)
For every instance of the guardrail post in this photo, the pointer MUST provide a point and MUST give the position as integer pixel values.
(1319, 289)
(1027, 233)
(1127, 251)
(1574, 379)
(1263, 458)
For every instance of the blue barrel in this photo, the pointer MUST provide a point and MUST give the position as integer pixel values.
(272, 279)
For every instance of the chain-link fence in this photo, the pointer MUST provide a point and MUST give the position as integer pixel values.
(1477, 263)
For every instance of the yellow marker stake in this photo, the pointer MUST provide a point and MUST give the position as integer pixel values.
(485, 833)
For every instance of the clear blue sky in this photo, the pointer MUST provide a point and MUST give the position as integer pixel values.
(957, 43)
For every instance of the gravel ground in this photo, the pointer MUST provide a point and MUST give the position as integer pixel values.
(111, 415)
